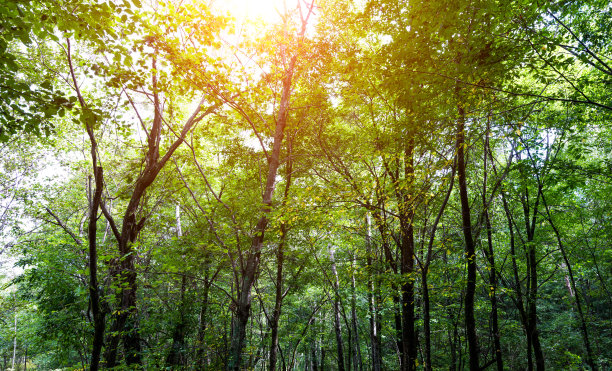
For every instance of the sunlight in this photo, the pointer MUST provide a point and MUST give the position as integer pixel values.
(266, 11)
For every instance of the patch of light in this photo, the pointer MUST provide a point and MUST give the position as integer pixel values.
(267, 11)
(251, 141)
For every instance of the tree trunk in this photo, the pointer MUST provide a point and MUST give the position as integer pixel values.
(14, 341)
(356, 344)
(375, 326)
(313, 352)
(349, 339)
(397, 314)
(98, 315)
(453, 340)
(280, 258)
(176, 357)
(493, 297)
(373, 294)
(125, 325)
(322, 358)
(519, 303)
(409, 340)
(426, 321)
(200, 359)
(278, 300)
(491, 258)
(425, 271)
(94, 292)
(470, 252)
(337, 328)
(532, 279)
(583, 326)
(243, 302)
(249, 271)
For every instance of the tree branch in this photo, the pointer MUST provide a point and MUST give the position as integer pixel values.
(64, 227)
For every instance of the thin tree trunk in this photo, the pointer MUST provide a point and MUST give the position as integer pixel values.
(357, 361)
(349, 338)
(409, 339)
(397, 315)
(280, 258)
(322, 358)
(176, 357)
(200, 359)
(470, 251)
(491, 258)
(249, 271)
(426, 320)
(452, 339)
(337, 328)
(519, 303)
(94, 293)
(373, 302)
(277, 306)
(278, 299)
(493, 297)
(532, 279)
(583, 326)
(425, 271)
(243, 303)
(14, 341)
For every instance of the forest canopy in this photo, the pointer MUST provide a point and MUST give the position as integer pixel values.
(305, 184)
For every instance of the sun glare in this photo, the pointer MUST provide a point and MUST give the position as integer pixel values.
(267, 11)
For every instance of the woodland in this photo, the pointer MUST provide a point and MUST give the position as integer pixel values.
(331, 185)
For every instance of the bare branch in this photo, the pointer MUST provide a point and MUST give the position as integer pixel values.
(111, 221)
(64, 227)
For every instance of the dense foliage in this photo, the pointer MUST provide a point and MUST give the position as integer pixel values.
(373, 185)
